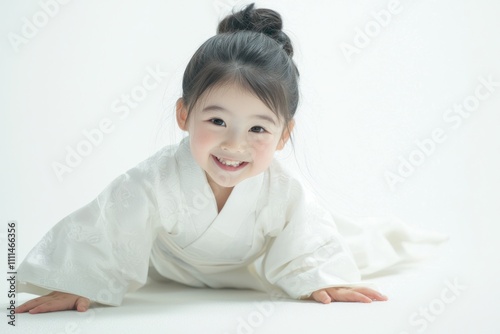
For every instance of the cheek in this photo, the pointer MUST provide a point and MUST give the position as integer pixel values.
(202, 141)
(201, 137)
(201, 134)
(262, 144)
(264, 148)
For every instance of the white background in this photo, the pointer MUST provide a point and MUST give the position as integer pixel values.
(356, 118)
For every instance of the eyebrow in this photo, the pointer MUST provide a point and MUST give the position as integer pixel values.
(219, 108)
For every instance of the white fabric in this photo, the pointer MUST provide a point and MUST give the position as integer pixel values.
(270, 235)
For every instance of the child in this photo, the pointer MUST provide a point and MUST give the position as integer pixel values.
(214, 211)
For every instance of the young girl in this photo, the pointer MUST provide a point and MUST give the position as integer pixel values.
(214, 211)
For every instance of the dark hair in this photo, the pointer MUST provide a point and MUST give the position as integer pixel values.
(249, 49)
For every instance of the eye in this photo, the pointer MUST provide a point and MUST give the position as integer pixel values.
(218, 122)
(258, 129)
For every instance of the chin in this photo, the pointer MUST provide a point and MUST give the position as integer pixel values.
(224, 180)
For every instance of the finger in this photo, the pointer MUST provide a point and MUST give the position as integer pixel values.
(82, 304)
(22, 308)
(373, 294)
(53, 305)
(322, 297)
(30, 304)
(348, 295)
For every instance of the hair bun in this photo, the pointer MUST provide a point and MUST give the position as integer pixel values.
(261, 20)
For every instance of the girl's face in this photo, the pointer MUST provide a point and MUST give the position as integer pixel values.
(233, 134)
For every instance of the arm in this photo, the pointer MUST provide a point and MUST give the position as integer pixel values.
(309, 259)
(97, 253)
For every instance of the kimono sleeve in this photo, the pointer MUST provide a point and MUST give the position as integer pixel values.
(100, 251)
(308, 254)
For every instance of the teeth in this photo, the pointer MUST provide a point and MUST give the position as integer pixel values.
(230, 162)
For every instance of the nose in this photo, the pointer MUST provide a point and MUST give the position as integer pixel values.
(234, 141)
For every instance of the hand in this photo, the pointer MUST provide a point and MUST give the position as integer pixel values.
(55, 301)
(357, 294)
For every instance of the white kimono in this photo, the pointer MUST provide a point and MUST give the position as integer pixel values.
(162, 214)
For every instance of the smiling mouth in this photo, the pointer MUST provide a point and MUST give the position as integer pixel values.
(229, 164)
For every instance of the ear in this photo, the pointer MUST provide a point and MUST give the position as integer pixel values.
(285, 135)
(181, 114)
